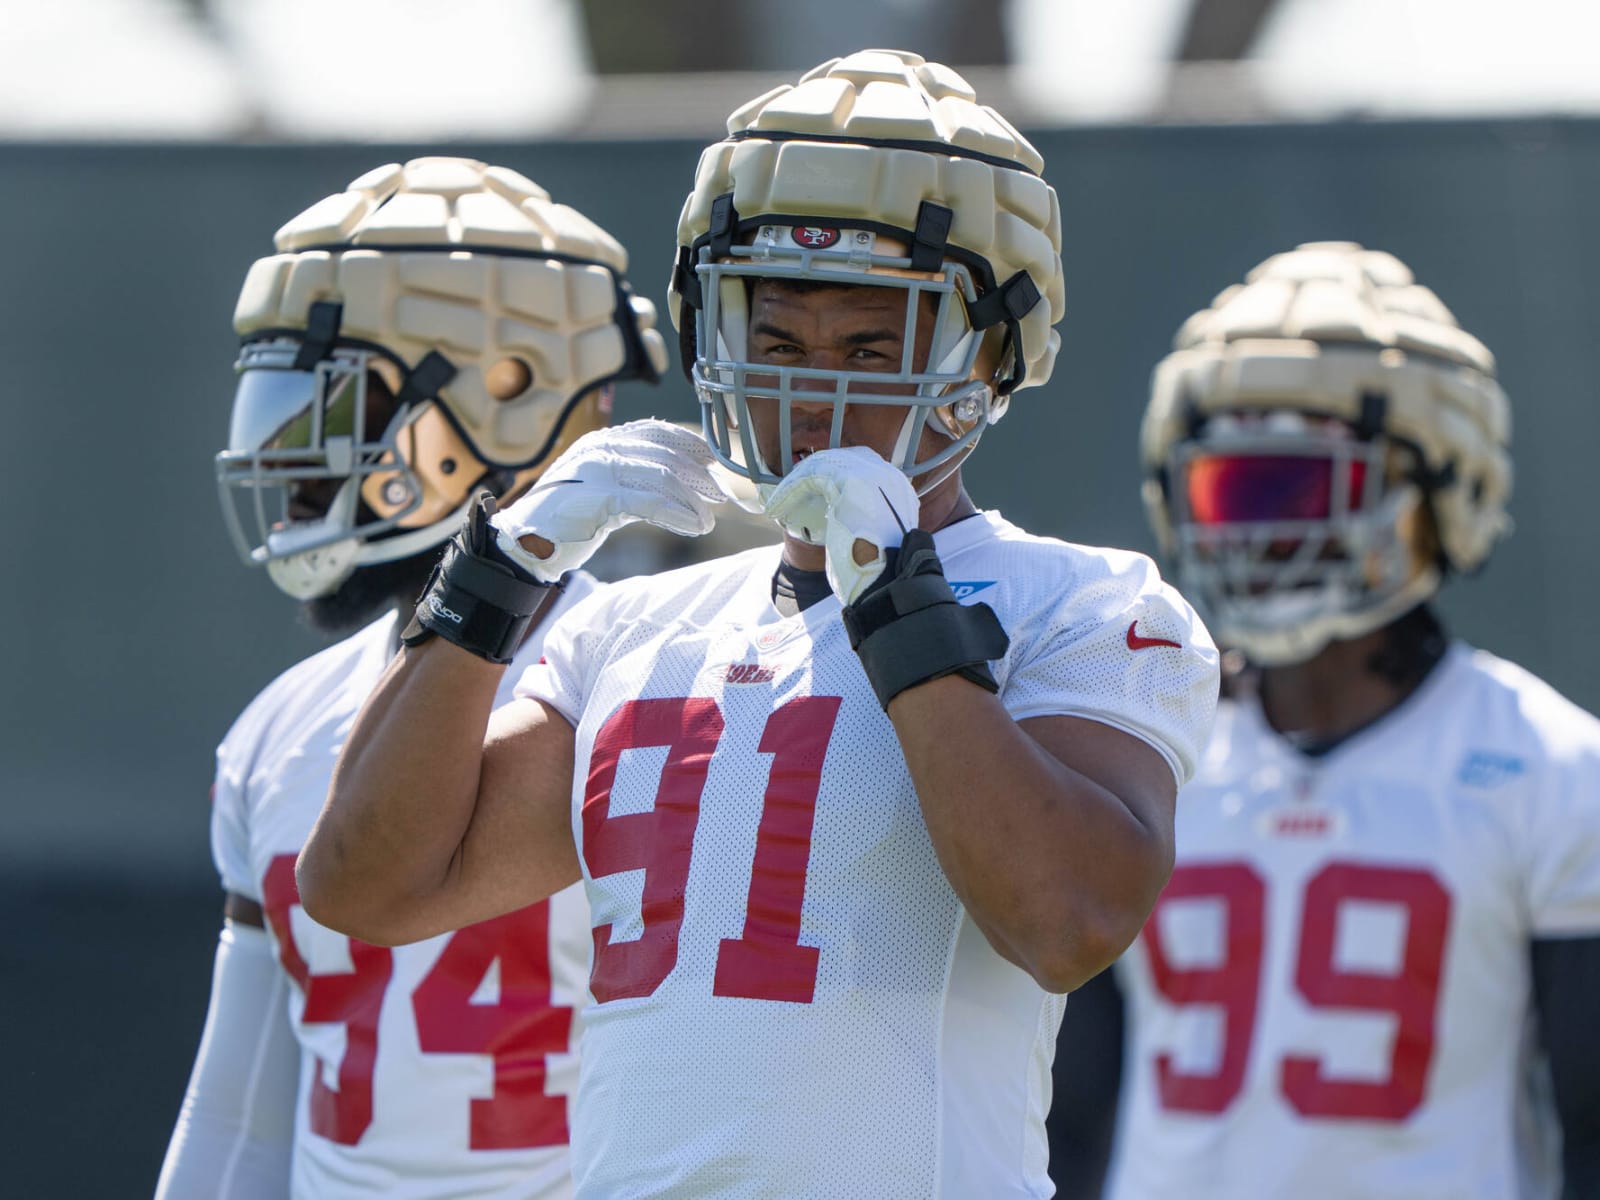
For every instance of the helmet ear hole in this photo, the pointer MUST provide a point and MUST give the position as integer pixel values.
(508, 379)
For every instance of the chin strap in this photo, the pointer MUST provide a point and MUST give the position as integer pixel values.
(908, 627)
(477, 597)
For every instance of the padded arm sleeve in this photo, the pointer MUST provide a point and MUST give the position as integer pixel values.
(235, 1130)
(1566, 989)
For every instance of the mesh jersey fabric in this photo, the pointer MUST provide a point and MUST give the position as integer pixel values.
(1337, 977)
(789, 998)
(438, 1069)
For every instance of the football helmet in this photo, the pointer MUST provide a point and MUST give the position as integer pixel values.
(437, 328)
(1321, 447)
(879, 169)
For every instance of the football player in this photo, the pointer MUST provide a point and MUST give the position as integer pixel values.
(435, 331)
(852, 813)
(1376, 969)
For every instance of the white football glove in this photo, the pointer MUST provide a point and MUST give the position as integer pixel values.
(647, 470)
(835, 498)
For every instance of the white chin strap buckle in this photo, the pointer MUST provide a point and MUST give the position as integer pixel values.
(317, 572)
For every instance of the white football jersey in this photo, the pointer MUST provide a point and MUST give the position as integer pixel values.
(788, 998)
(439, 1069)
(1332, 998)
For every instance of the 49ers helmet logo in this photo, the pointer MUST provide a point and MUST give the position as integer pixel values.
(815, 237)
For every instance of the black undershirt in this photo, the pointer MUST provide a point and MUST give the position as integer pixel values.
(794, 590)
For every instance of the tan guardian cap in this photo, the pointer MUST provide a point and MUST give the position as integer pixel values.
(497, 317)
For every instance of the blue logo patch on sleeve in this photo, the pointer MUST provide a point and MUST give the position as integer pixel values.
(1489, 769)
(966, 589)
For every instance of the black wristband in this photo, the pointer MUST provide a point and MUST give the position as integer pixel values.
(908, 627)
(477, 598)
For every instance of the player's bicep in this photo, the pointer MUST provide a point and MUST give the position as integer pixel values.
(1128, 767)
(519, 848)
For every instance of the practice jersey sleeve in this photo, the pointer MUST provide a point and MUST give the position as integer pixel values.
(1120, 647)
(1562, 828)
(271, 732)
(247, 741)
(559, 678)
(230, 830)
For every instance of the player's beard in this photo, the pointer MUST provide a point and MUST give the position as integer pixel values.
(369, 591)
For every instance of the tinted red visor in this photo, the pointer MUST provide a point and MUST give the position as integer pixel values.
(1225, 489)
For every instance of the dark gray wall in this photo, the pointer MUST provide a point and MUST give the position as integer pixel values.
(134, 635)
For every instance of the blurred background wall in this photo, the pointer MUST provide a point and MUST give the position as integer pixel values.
(148, 149)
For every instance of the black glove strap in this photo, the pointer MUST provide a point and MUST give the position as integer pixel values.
(477, 597)
(908, 627)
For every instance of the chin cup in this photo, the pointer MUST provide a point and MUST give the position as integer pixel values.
(477, 597)
(908, 627)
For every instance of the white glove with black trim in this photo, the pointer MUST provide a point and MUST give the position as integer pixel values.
(837, 498)
(647, 470)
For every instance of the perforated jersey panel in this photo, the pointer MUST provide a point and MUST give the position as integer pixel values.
(909, 1062)
(1100, 636)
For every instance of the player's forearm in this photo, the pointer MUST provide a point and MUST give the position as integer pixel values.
(1057, 871)
(385, 850)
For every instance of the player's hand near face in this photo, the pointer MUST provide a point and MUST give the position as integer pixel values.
(855, 504)
(1076, 838)
(436, 818)
(646, 470)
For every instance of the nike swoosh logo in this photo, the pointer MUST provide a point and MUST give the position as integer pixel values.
(1135, 642)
